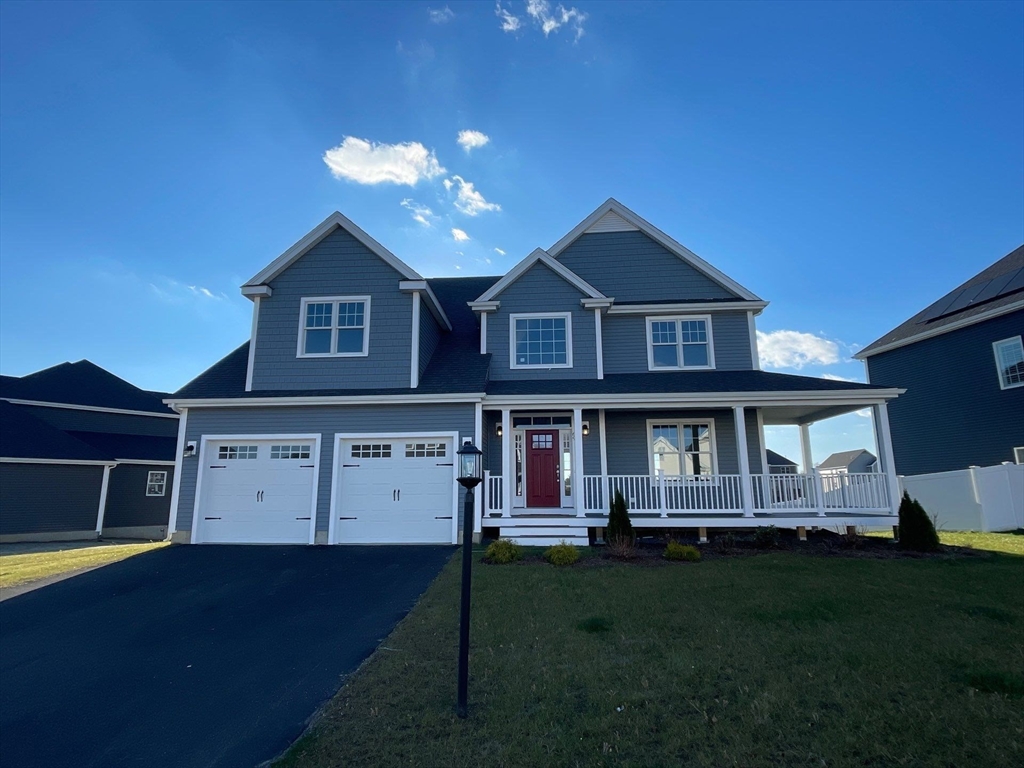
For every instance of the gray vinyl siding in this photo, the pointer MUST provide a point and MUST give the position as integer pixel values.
(339, 265)
(632, 267)
(48, 498)
(326, 420)
(430, 335)
(953, 414)
(625, 342)
(541, 290)
(127, 502)
(74, 420)
(592, 445)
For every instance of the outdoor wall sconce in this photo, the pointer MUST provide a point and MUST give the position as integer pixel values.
(497, 429)
(586, 428)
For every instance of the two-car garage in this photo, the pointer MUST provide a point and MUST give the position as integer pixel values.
(383, 489)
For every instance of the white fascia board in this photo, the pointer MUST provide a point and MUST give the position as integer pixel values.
(257, 291)
(684, 307)
(543, 257)
(967, 321)
(484, 306)
(72, 462)
(597, 303)
(154, 462)
(684, 253)
(318, 233)
(96, 408)
(690, 399)
(249, 402)
(421, 286)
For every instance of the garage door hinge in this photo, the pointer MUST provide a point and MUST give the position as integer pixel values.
(449, 464)
(303, 518)
(443, 518)
(348, 518)
(218, 466)
(306, 466)
(211, 518)
(350, 465)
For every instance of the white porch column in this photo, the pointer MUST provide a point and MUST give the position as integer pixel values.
(103, 498)
(481, 490)
(577, 462)
(813, 476)
(884, 439)
(741, 450)
(507, 480)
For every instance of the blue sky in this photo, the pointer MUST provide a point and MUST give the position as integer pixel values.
(848, 162)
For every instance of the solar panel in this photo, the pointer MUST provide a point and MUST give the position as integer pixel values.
(973, 295)
(995, 287)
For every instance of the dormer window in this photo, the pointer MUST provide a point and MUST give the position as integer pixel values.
(334, 326)
(679, 343)
(541, 340)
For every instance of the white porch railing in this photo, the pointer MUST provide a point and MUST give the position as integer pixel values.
(709, 494)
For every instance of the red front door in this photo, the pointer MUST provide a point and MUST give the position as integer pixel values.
(543, 478)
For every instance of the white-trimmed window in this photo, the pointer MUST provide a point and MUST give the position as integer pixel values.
(334, 326)
(371, 451)
(156, 483)
(426, 450)
(1010, 362)
(679, 343)
(682, 447)
(290, 451)
(540, 340)
(1018, 455)
(231, 452)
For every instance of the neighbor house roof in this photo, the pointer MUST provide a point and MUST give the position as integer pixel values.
(843, 459)
(82, 383)
(993, 291)
(130, 447)
(777, 459)
(25, 437)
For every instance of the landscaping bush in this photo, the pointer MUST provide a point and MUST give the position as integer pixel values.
(766, 537)
(503, 551)
(621, 549)
(917, 533)
(620, 529)
(726, 542)
(677, 551)
(563, 553)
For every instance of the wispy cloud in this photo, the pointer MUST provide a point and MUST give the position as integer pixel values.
(542, 15)
(499, 251)
(470, 140)
(366, 162)
(171, 291)
(440, 15)
(835, 377)
(509, 23)
(420, 213)
(467, 199)
(459, 235)
(795, 349)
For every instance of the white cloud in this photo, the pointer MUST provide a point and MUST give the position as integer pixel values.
(542, 15)
(470, 140)
(834, 377)
(509, 23)
(366, 162)
(499, 251)
(419, 212)
(467, 199)
(441, 15)
(173, 292)
(794, 349)
(459, 235)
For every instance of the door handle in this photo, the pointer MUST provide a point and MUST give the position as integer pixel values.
(399, 494)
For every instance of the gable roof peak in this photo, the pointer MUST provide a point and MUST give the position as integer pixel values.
(539, 255)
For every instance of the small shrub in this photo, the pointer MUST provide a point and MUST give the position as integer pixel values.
(677, 551)
(851, 539)
(562, 553)
(725, 543)
(766, 537)
(621, 549)
(620, 528)
(503, 551)
(917, 532)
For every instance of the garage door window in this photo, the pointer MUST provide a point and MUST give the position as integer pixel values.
(229, 452)
(371, 451)
(290, 451)
(425, 450)
(156, 483)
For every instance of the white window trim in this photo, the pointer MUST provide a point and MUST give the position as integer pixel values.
(333, 300)
(999, 366)
(512, 318)
(1018, 455)
(676, 318)
(151, 481)
(680, 423)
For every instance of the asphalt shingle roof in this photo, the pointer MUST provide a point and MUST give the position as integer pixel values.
(843, 459)
(81, 383)
(23, 436)
(135, 447)
(777, 459)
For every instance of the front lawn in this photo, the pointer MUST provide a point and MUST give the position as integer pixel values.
(1011, 542)
(18, 567)
(778, 659)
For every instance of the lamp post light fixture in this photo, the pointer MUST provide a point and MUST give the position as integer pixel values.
(470, 474)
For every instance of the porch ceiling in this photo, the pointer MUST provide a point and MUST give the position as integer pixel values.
(805, 414)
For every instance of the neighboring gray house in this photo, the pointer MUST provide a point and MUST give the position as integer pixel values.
(616, 360)
(779, 464)
(961, 361)
(83, 454)
(849, 462)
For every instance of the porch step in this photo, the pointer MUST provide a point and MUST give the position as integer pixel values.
(545, 535)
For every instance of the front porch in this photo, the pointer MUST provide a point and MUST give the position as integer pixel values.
(705, 468)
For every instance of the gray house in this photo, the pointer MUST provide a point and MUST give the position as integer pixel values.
(615, 360)
(962, 363)
(83, 454)
(856, 461)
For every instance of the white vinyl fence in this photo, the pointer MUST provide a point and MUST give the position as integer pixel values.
(975, 499)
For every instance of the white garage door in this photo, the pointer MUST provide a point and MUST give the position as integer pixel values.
(257, 491)
(395, 491)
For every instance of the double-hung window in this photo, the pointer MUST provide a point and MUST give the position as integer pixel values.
(679, 343)
(156, 483)
(682, 448)
(541, 340)
(1010, 362)
(335, 326)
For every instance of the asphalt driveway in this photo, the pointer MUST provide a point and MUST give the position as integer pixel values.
(194, 655)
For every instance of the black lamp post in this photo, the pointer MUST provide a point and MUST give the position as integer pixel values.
(470, 475)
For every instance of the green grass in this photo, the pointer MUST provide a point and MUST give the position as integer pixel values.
(20, 568)
(772, 660)
(1012, 542)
